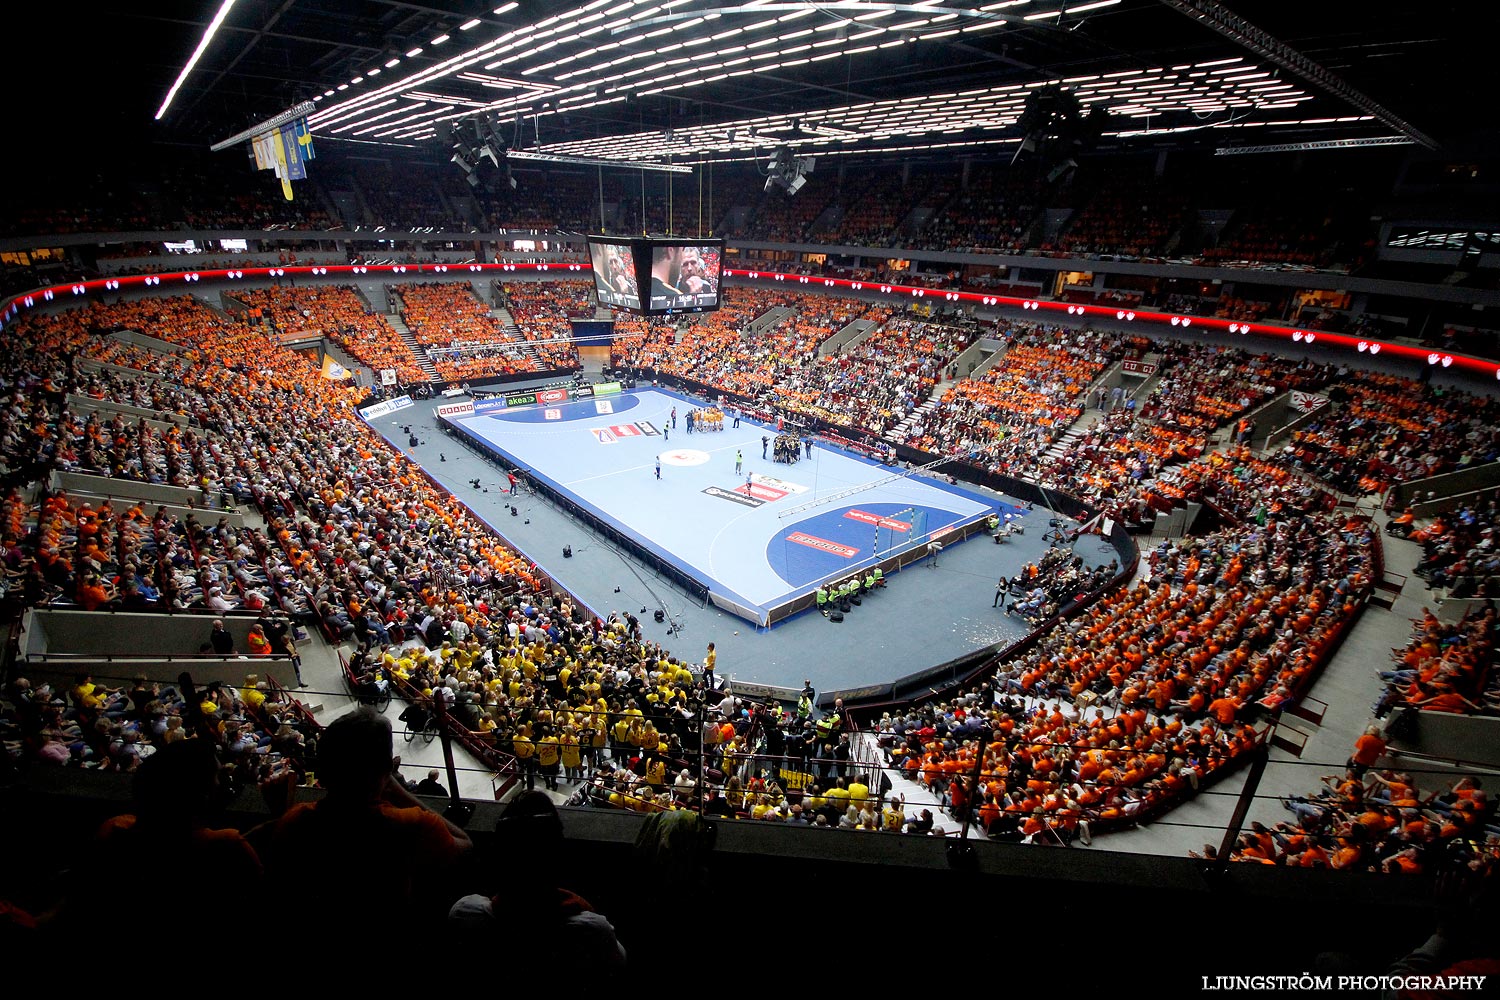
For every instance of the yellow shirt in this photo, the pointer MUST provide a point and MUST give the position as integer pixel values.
(546, 751)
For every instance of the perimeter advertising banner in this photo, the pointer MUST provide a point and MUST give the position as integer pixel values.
(607, 388)
(389, 406)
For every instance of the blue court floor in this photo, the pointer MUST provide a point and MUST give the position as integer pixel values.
(717, 509)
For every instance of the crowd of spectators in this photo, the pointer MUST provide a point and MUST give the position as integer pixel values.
(1108, 465)
(1380, 820)
(463, 340)
(1127, 709)
(542, 309)
(783, 218)
(400, 201)
(1125, 215)
(990, 215)
(1446, 667)
(211, 199)
(1237, 481)
(258, 729)
(868, 215)
(987, 208)
(1381, 429)
(540, 201)
(1005, 419)
(1204, 386)
(1459, 553)
(340, 314)
(1268, 234)
(362, 546)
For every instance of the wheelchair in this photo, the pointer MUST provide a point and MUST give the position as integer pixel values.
(420, 721)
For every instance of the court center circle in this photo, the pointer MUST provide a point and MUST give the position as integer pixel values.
(684, 456)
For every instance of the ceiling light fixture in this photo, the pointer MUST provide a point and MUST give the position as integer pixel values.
(1299, 147)
(598, 161)
(1217, 17)
(208, 36)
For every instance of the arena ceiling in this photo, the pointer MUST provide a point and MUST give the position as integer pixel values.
(696, 79)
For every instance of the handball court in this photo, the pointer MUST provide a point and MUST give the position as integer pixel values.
(756, 532)
(930, 613)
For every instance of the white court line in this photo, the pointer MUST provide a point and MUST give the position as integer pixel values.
(713, 543)
(648, 465)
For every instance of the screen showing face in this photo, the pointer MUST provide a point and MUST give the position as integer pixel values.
(684, 277)
(614, 275)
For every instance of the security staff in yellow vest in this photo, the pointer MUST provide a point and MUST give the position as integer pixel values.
(825, 728)
(823, 601)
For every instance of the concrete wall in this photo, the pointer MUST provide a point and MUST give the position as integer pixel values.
(145, 492)
(1283, 421)
(90, 365)
(150, 343)
(123, 633)
(1449, 484)
(1469, 739)
(234, 518)
(107, 411)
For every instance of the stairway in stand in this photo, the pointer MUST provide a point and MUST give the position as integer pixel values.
(903, 430)
(513, 332)
(418, 355)
(1064, 444)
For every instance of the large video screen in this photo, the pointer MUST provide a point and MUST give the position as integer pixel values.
(615, 279)
(685, 276)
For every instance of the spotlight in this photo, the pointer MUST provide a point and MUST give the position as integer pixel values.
(787, 171)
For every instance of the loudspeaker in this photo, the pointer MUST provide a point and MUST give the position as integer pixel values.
(835, 616)
(513, 511)
(660, 615)
(567, 552)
